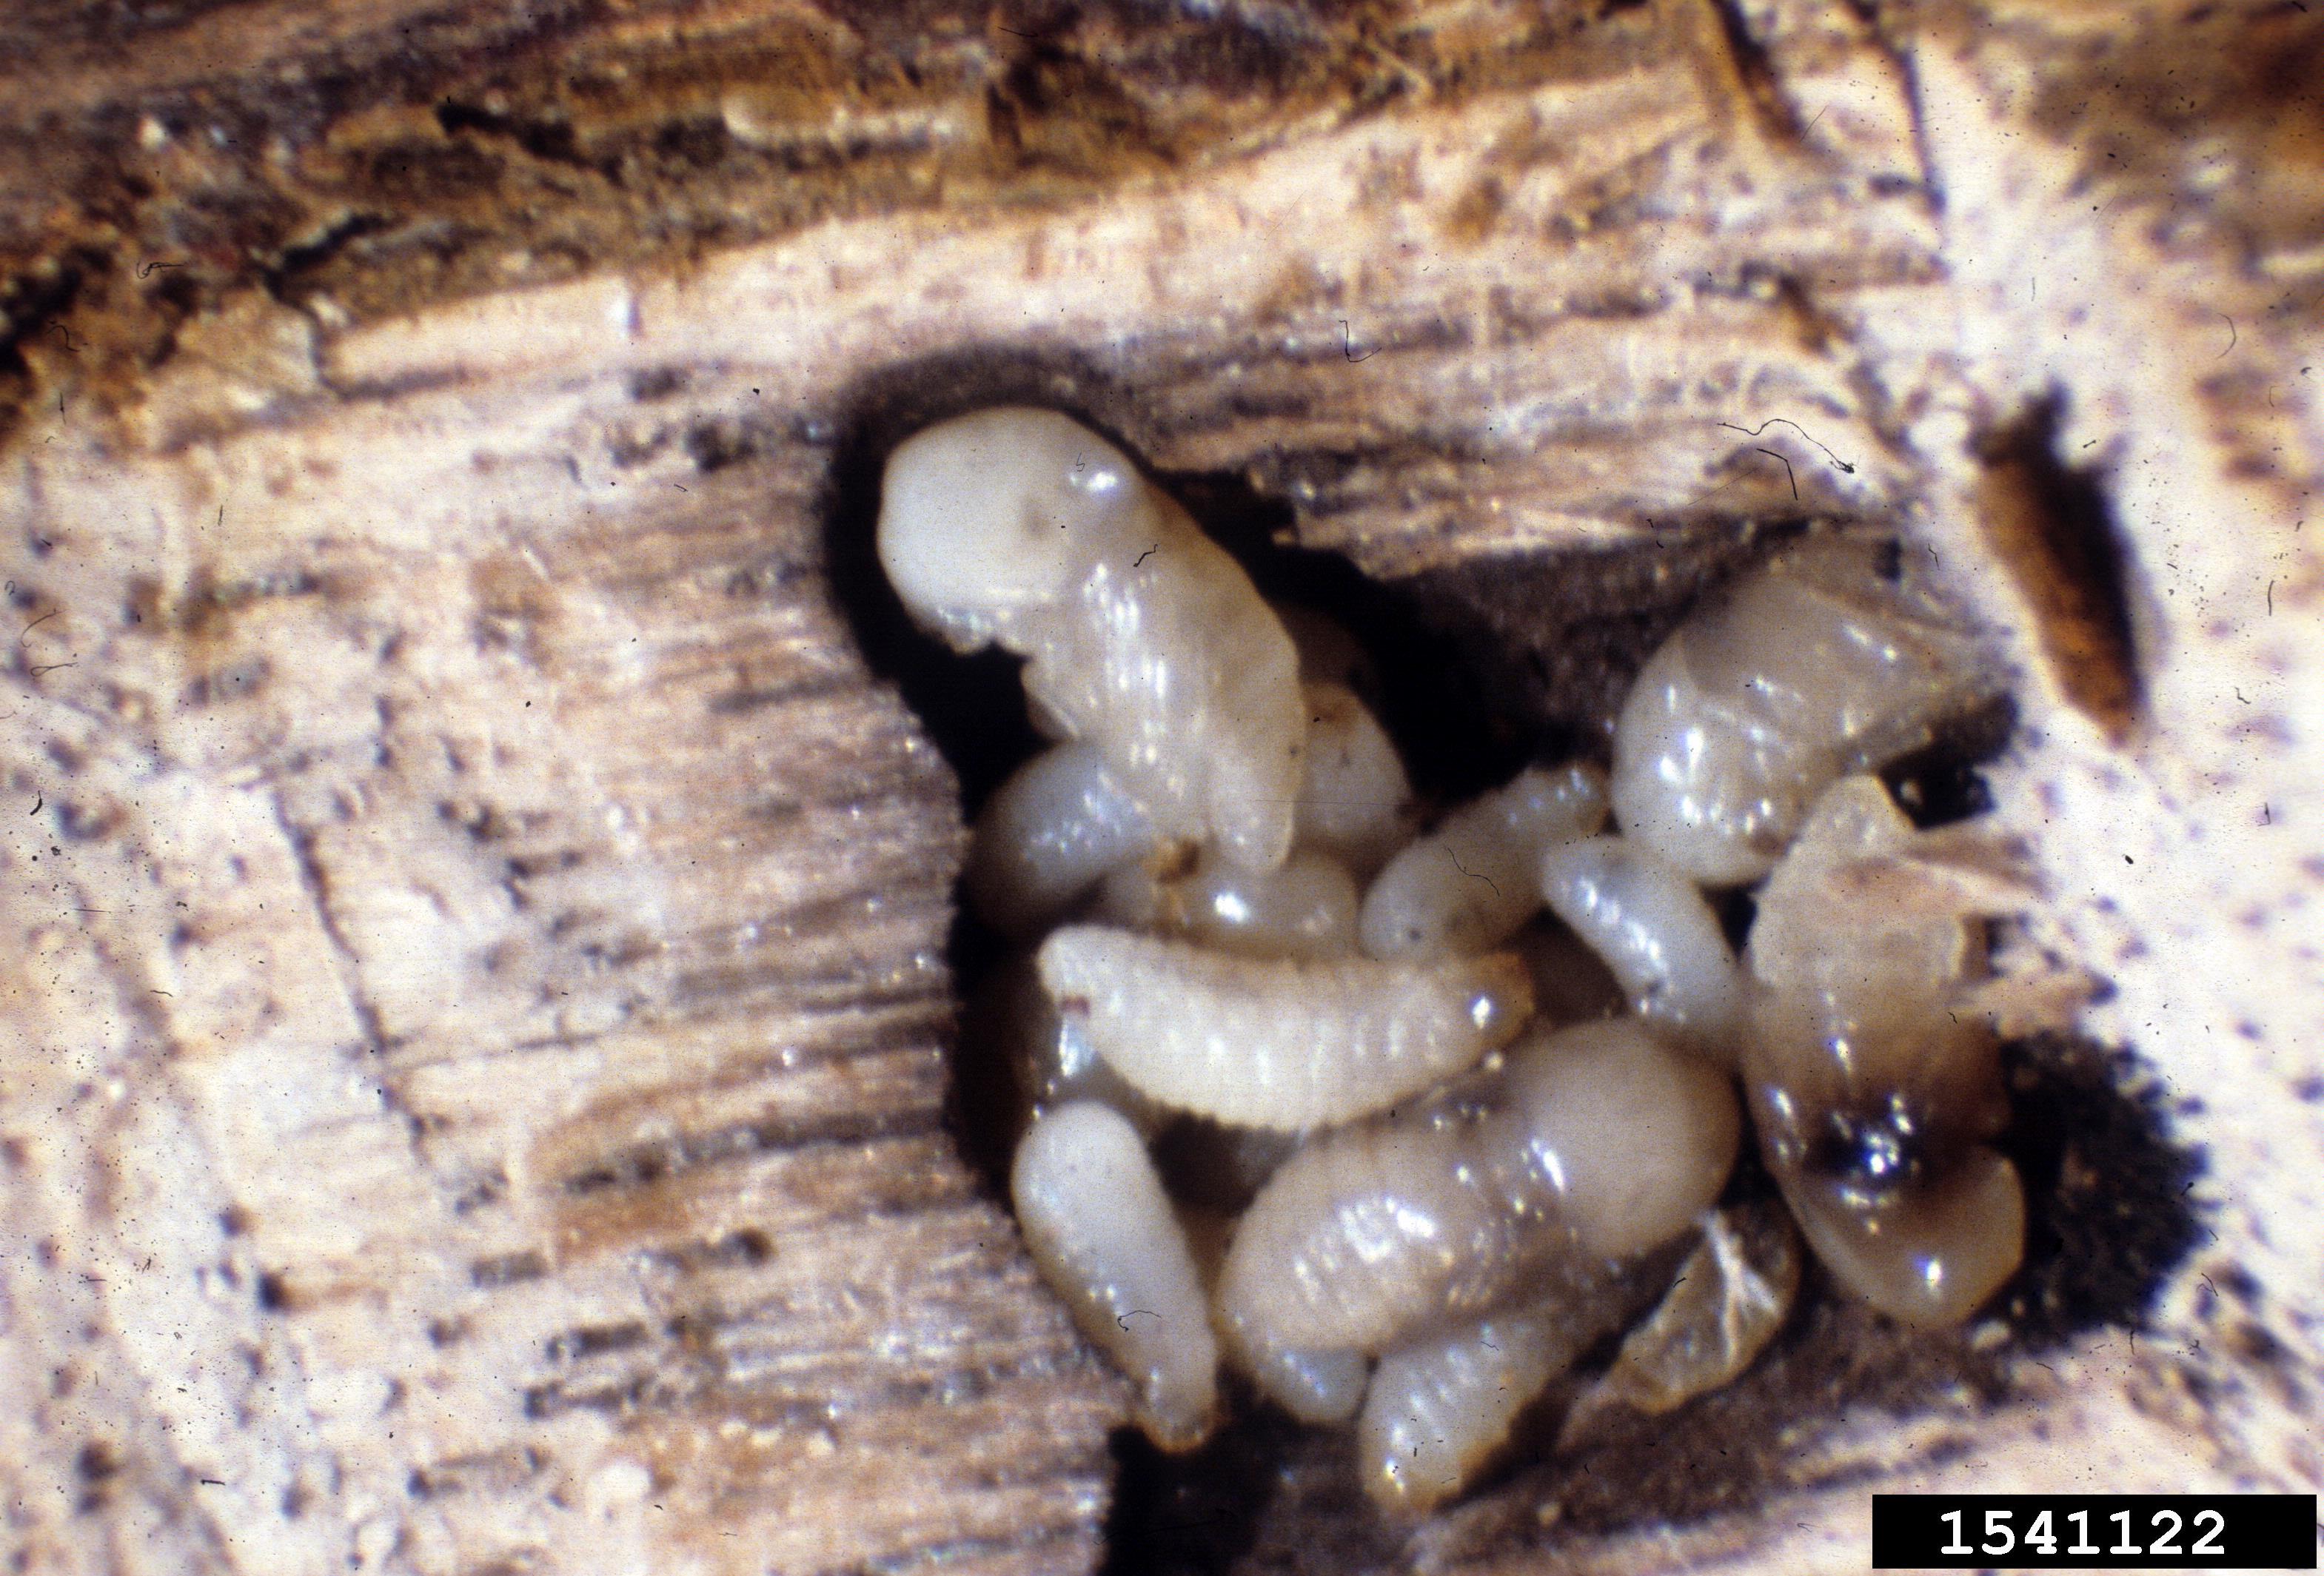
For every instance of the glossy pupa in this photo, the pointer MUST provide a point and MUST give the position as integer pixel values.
(1875, 1083)
(1812, 667)
(1597, 1143)
(1021, 527)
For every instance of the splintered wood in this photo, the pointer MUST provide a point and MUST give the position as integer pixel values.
(473, 1089)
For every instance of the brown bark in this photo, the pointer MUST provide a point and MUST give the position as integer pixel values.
(474, 922)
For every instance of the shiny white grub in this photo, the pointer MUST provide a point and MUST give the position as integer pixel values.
(1468, 884)
(1047, 835)
(1601, 1143)
(1106, 1239)
(1279, 1044)
(1140, 635)
(1814, 667)
(1442, 1404)
(1654, 931)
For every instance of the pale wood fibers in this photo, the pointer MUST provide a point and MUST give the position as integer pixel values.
(473, 1096)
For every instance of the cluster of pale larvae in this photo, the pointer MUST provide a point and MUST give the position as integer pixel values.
(1398, 1122)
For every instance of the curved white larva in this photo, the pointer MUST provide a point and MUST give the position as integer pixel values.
(1468, 884)
(1105, 1237)
(1317, 1387)
(1279, 1044)
(1654, 931)
(1812, 668)
(1048, 835)
(1140, 634)
(1603, 1143)
(1355, 801)
(1305, 908)
(1440, 1405)
(1373, 1232)
(1633, 1139)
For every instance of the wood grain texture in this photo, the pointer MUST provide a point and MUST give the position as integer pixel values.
(473, 921)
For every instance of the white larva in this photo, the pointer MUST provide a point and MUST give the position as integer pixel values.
(1875, 1086)
(1047, 835)
(1355, 801)
(1305, 908)
(1441, 1405)
(1654, 931)
(1636, 1139)
(1222, 790)
(1468, 884)
(1316, 1388)
(1279, 1044)
(1106, 1239)
(1603, 1143)
(1814, 666)
(1368, 1233)
(1140, 634)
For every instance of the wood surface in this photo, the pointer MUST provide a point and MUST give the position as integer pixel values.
(473, 1091)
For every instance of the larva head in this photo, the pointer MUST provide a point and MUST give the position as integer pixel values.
(1872, 1112)
(1635, 1138)
(992, 514)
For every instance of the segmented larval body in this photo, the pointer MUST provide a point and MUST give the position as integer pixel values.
(1816, 666)
(1468, 885)
(1305, 908)
(1602, 1144)
(1319, 1387)
(1366, 1233)
(1050, 834)
(1107, 1241)
(1274, 1044)
(1652, 927)
(1442, 1404)
(1874, 1082)
(1355, 801)
(1140, 634)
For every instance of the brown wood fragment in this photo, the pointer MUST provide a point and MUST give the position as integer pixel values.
(473, 1089)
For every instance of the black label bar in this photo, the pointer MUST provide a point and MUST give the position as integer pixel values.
(2160, 1532)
